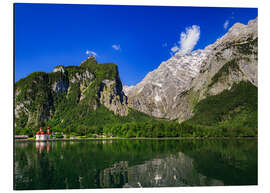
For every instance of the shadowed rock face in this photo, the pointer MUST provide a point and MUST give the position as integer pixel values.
(172, 90)
(112, 96)
(172, 171)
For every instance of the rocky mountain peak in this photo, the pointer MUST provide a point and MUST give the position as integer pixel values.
(163, 92)
(90, 60)
(240, 32)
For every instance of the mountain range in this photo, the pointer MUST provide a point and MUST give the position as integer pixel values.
(211, 88)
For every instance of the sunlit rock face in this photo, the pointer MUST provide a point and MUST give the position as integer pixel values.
(173, 89)
(172, 171)
(156, 94)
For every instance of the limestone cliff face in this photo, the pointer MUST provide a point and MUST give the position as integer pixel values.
(91, 84)
(178, 84)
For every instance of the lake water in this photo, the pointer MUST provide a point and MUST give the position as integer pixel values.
(134, 163)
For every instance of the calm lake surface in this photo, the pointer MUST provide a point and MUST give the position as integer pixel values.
(134, 163)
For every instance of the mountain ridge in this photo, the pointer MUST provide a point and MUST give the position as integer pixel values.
(159, 94)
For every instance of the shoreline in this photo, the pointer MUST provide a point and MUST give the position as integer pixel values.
(132, 138)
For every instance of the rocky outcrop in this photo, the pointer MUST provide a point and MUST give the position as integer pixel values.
(178, 84)
(60, 86)
(112, 97)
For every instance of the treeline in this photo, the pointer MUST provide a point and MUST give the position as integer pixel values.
(173, 129)
(157, 129)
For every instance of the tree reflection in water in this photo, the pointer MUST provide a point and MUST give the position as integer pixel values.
(134, 163)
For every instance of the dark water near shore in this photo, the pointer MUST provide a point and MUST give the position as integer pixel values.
(134, 163)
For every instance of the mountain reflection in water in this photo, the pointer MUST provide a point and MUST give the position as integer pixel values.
(173, 171)
(134, 163)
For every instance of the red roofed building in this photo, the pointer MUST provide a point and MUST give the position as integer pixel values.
(42, 136)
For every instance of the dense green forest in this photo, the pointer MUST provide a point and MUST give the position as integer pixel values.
(233, 112)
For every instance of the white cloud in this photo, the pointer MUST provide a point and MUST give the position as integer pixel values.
(188, 40)
(226, 24)
(116, 47)
(91, 53)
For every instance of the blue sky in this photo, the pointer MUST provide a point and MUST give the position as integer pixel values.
(136, 38)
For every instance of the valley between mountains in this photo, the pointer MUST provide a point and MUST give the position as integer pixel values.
(208, 93)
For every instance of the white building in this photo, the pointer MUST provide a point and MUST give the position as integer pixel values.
(42, 136)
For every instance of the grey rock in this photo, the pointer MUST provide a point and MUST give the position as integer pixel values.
(112, 97)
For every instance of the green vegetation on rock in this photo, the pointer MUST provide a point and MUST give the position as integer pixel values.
(230, 66)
